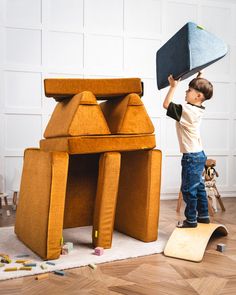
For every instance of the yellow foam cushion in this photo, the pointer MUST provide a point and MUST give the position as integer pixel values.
(98, 144)
(127, 115)
(80, 115)
(105, 204)
(138, 200)
(101, 88)
(40, 210)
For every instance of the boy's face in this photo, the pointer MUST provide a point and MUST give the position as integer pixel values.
(193, 96)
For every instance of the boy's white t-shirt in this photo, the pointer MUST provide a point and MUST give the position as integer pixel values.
(188, 119)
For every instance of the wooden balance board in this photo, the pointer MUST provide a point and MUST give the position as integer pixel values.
(190, 243)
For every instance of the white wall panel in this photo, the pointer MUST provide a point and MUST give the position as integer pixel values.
(65, 51)
(178, 14)
(171, 139)
(103, 55)
(140, 57)
(14, 167)
(234, 169)
(104, 16)
(22, 131)
(23, 46)
(151, 98)
(221, 100)
(22, 89)
(215, 134)
(234, 136)
(143, 18)
(23, 12)
(217, 20)
(171, 174)
(66, 14)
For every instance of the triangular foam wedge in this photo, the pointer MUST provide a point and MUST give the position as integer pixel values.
(127, 115)
(80, 115)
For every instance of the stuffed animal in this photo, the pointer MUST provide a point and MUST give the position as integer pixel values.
(209, 174)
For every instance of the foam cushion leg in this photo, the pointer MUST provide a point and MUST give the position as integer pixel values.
(39, 215)
(137, 210)
(105, 204)
(191, 49)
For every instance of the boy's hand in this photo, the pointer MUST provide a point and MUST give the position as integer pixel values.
(172, 81)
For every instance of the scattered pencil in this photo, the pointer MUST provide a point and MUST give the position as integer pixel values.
(25, 268)
(10, 269)
(93, 266)
(30, 264)
(50, 263)
(43, 266)
(59, 272)
(22, 255)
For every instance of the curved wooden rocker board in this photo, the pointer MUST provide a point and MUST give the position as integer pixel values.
(190, 243)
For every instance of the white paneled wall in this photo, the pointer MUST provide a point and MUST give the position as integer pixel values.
(110, 38)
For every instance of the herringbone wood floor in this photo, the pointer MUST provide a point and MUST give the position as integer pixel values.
(155, 274)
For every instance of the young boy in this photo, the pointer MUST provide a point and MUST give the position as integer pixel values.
(188, 118)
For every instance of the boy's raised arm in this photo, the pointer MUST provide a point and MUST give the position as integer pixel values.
(170, 94)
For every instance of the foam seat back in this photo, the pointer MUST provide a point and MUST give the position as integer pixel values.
(40, 210)
(80, 115)
(190, 50)
(127, 115)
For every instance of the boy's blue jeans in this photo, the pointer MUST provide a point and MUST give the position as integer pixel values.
(193, 186)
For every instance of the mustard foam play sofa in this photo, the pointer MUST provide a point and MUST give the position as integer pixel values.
(95, 166)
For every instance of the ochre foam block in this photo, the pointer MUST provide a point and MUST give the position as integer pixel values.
(99, 144)
(40, 210)
(61, 89)
(137, 211)
(80, 115)
(105, 204)
(127, 115)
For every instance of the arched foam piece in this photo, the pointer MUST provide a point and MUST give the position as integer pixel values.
(190, 243)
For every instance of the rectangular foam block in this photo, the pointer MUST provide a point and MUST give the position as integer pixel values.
(99, 144)
(106, 196)
(101, 88)
(138, 201)
(190, 50)
(40, 210)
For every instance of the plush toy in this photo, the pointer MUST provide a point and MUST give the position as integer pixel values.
(209, 174)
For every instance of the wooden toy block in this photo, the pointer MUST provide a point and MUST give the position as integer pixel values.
(221, 247)
(98, 251)
(92, 265)
(42, 276)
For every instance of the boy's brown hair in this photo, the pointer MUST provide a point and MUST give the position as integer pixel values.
(202, 85)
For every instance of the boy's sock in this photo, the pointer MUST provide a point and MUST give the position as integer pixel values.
(203, 220)
(186, 224)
